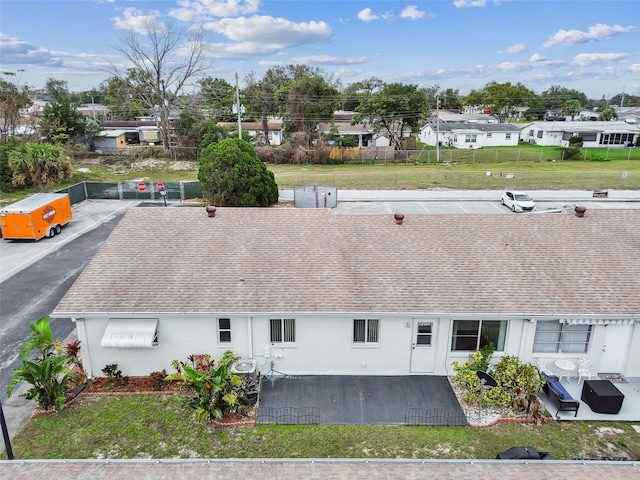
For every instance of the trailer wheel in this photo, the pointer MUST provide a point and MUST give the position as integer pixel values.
(51, 233)
(58, 229)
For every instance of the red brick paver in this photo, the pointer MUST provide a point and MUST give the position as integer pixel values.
(315, 469)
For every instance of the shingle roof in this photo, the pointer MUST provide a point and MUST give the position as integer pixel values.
(306, 260)
(482, 127)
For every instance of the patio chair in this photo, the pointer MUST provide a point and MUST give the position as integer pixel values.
(583, 369)
(542, 367)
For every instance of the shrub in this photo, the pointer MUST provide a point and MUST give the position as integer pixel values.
(49, 374)
(113, 373)
(215, 388)
(158, 380)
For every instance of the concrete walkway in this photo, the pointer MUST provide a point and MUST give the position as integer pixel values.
(317, 469)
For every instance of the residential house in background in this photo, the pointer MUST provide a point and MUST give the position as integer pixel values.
(111, 141)
(470, 134)
(255, 129)
(594, 134)
(311, 292)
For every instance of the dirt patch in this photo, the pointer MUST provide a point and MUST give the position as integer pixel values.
(103, 385)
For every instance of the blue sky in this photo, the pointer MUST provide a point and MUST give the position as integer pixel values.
(591, 46)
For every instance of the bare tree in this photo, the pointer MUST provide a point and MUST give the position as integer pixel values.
(162, 60)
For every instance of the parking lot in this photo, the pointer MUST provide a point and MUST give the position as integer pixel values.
(470, 207)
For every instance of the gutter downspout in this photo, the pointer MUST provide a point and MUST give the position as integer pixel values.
(81, 328)
(250, 336)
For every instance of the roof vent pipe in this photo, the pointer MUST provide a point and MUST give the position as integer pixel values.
(211, 211)
(580, 211)
(398, 217)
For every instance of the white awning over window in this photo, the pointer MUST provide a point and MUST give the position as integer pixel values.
(598, 321)
(130, 333)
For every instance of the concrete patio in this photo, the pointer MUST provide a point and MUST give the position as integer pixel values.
(630, 411)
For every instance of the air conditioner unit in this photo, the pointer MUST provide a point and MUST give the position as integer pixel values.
(245, 368)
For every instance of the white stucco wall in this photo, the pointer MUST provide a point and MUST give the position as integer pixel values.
(323, 345)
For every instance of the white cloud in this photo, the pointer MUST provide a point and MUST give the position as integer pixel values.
(17, 52)
(412, 13)
(202, 10)
(262, 30)
(599, 31)
(516, 48)
(329, 60)
(634, 68)
(367, 15)
(536, 57)
(584, 59)
(136, 20)
(469, 3)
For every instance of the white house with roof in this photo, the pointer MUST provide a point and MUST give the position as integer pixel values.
(315, 292)
(470, 134)
(594, 134)
(255, 129)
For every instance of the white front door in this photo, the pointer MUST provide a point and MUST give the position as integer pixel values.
(423, 346)
(614, 349)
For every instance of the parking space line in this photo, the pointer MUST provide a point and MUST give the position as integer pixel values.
(498, 207)
(424, 206)
(461, 208)
(387, 207)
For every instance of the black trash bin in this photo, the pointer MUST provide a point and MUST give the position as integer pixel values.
(523, 453)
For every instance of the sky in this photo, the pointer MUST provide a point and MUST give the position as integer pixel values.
(590, 46)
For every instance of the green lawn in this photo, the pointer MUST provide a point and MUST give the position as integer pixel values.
(158, 426)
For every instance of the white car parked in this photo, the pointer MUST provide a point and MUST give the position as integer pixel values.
(518, 201)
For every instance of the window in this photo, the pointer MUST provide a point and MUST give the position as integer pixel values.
(616, 138)
(507, 136)
(489, 135)
(224, 330)
(473, 138)
(282, 330)
(366, 331)
(539, 133)
(475, 334)
(424, 333)
(555, 337)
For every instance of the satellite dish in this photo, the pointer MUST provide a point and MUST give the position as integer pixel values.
(486, 380)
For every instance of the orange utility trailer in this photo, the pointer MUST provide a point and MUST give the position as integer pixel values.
(41, 215)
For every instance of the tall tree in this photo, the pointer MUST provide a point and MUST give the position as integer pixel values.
(232, 175)
(571, 107)
(555, 96)
(218, 96)
(61, 121)
(259, 94)
(393, 109)
(56, 88)
(501, 99)
(123, 100)
(13, 98)
(164, 60)
(39, 164)
(351, 94)
(450, 99)
(309, 101)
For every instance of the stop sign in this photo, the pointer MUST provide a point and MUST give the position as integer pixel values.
(160, 186)
(142, 187)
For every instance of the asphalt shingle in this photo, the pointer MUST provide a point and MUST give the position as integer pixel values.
(306, 260)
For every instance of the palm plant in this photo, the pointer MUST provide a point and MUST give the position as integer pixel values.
(49, 374)
(214, 387)
(39, 164)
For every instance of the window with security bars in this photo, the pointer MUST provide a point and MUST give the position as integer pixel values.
(366, 330)
(224, 330)
(555, 337)
(282, 330)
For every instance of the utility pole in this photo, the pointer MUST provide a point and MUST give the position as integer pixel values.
(438, 128)
(238, 108)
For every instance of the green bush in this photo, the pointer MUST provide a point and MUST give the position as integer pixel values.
(214, 387)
